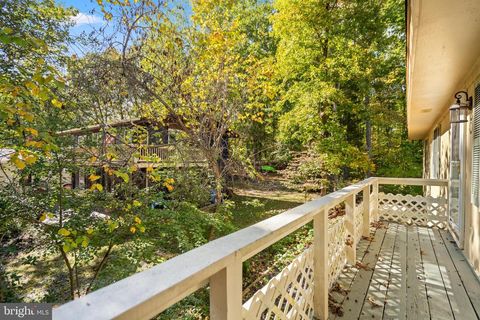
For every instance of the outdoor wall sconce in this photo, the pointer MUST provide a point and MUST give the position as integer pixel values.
(459, 110)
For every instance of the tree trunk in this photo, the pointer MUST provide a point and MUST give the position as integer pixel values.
(368, 133)
(217, 172)
(70, 273)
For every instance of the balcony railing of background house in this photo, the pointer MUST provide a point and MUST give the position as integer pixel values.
(146, 153)
(299, 291)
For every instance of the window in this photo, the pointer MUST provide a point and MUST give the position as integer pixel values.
(476, 147)
(426, 159)
(435, 159)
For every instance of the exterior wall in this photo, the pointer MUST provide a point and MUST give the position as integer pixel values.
(471, 242)
(444, 125)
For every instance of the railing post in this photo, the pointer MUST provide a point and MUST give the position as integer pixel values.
(226, 292)
(320, 265)
(366, 211)
(375, 216)
(350, 209)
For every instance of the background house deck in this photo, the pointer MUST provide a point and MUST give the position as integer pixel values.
(406, 272)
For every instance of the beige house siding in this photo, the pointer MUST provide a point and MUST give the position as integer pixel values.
(444, 156)
(471, 243)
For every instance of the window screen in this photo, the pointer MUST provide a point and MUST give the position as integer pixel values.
(476, 147)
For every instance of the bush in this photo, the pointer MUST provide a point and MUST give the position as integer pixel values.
(184, 227)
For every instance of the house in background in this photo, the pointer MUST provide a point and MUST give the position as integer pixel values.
(132, 141)
(443, 107)
(390, 256)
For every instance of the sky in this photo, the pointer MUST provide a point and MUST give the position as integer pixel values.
(90, 18)
(89, 15)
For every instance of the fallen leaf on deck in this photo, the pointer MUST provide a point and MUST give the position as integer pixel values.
(373, 302)
(335, 308)
(361, 265)
(337, 287)
(349, 241)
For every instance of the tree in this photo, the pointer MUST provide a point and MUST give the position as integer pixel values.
(191, 72)
(34, 108)
(340, 69)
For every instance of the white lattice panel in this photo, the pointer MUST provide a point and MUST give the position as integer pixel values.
(289, 295)
(337, 256)
(408, 209)
(358, 222)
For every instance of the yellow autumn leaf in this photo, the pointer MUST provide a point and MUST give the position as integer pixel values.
(66, 248)
(93, 177)
(89, 231)
(43, 217)
(63, 232)
(138, 220)
(96, 186)
(36, 144)
(92, 159)
(27, 116)
(30, 159)
(18, 163)
(136, 203)
(33, 132)
(133, 229)
(85, 242)
(35, 90)
(142, 229)
(149, 169)
(57, 103)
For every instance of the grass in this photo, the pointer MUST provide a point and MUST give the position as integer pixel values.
(249, 210)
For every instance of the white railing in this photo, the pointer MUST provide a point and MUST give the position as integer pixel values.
(422, 210)
(162, 152)
(300, 291)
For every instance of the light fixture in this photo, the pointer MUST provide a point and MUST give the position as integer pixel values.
(459, 110)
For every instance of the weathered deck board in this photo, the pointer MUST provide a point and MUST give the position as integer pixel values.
(468, 278)
(459, 301)
(436, 294)
(416, 302)
(353, 303)
(347, 276)
(375, 301)
(397, 288)
(418, 273)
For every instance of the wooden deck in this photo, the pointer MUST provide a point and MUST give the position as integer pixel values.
(406, 272)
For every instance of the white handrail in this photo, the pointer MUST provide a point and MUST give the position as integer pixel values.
(147, 293)
(414, 181)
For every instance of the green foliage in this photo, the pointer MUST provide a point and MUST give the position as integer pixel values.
(340, 73)
(184, 226)
(192, 186)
